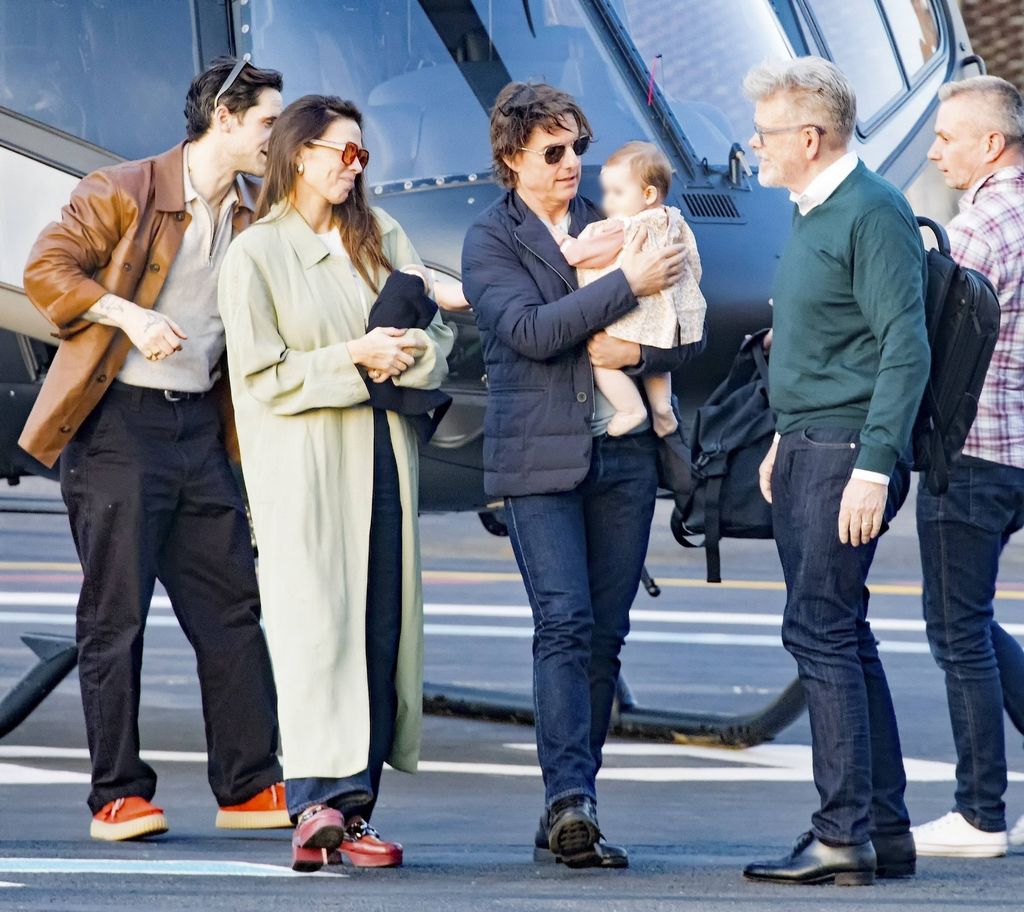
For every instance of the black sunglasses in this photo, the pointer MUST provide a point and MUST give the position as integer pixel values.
(554, 154)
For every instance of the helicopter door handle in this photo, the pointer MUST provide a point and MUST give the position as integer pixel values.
(977, 60)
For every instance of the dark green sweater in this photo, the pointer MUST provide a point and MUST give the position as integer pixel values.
(850, 348)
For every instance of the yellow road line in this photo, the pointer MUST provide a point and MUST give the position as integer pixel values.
(490, 576)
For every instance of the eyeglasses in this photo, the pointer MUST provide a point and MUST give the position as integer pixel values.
(762, 132)
(232, 76)
(349, 152)
(554, 154)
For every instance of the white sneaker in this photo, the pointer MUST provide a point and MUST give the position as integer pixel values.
(1017, 833)
(954, 836)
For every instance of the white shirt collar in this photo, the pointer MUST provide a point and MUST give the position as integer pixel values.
(825, 184)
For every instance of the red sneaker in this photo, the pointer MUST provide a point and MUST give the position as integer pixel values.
(317, 834)
(127, 818)
(363, 847)
(266, 810)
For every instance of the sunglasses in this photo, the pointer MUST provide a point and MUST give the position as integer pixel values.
(349, 152)
(240, 65)
(554, 154)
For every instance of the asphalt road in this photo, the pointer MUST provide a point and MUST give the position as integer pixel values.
(691, 816)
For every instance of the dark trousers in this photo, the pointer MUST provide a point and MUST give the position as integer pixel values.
(858, 764)
(150, 496)
(356, 796)
(581, 553)
(962, 534)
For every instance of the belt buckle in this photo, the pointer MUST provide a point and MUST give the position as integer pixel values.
(170, 397)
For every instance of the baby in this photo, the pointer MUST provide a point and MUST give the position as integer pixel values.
(635, 181)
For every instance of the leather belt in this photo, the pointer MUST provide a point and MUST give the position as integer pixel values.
(168, 395)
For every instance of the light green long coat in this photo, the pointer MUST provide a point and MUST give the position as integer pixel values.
(306, 438)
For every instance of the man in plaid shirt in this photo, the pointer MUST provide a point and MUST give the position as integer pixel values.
(978, 148)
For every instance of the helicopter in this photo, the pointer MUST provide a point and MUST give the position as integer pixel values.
(425, 74)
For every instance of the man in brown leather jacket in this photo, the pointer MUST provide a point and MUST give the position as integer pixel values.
(134, 406)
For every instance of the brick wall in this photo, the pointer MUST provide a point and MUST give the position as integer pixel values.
(996, 28)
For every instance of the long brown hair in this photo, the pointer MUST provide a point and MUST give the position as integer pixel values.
(305, 119)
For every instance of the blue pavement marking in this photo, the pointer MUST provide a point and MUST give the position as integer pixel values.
(169, 868)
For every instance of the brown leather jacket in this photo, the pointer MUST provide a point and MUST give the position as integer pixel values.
(119, 233)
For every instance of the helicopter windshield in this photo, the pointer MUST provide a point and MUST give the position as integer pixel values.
(704, 51)
(425, 73)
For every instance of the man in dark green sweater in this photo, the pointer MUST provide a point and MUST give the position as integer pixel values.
(849, 362)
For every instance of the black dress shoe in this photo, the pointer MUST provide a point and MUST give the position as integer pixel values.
(897, 856)
(811, 862)
(569, 834)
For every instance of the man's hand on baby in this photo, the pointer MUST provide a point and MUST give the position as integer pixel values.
(649, 271)
(614, 354)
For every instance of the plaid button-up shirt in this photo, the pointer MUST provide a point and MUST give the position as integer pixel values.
(988, 235)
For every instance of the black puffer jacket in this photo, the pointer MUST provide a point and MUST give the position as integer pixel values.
(534, 323)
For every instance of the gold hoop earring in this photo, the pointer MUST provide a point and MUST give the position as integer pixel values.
(300, 168)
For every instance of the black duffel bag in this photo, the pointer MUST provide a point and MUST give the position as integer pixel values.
(731, 435)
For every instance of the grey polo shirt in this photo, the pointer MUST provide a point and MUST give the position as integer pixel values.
(189, 297)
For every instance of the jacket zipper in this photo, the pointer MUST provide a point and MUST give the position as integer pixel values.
(593, 391)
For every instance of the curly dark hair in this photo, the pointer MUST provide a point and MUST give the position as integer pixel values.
(519, 109)
(242, 94)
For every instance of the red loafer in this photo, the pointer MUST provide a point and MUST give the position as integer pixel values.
(318, 833)
(363, 847)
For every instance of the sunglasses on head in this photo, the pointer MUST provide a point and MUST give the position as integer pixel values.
(349, 152)
(240, 65)
(554, 154)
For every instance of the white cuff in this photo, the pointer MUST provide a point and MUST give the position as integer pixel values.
(874, 477)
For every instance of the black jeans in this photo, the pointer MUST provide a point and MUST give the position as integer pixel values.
(357, 795)
(858, 764)
(150, 496)
(962, 534)
(581, 553)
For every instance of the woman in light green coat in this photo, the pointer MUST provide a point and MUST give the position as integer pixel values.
(332, 482)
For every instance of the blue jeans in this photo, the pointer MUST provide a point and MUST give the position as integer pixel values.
(858, 764)
(581, 553)
(962, 534)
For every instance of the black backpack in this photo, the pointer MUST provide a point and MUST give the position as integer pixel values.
(729, 439)
(962, 314)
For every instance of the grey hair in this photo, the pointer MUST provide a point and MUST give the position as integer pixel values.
(1004, 112)
(818, 88)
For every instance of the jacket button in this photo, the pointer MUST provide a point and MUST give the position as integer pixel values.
(102, 378)
(581, 397)
(127, 267)
(180, 216)
(154, 267)
(65, 428)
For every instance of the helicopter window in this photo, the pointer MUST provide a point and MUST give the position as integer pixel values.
(704, 57)
(860, 46)
(425, 73)
(916, 31)
(109, 72)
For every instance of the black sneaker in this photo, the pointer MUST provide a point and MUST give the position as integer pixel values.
(569, 834)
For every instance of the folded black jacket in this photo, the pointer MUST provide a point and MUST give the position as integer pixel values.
(403, 304)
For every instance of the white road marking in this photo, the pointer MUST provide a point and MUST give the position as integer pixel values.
(445, 609)
(13, 774)
(764, 763)
(169, 867)
(492, 631)
(18, 752)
